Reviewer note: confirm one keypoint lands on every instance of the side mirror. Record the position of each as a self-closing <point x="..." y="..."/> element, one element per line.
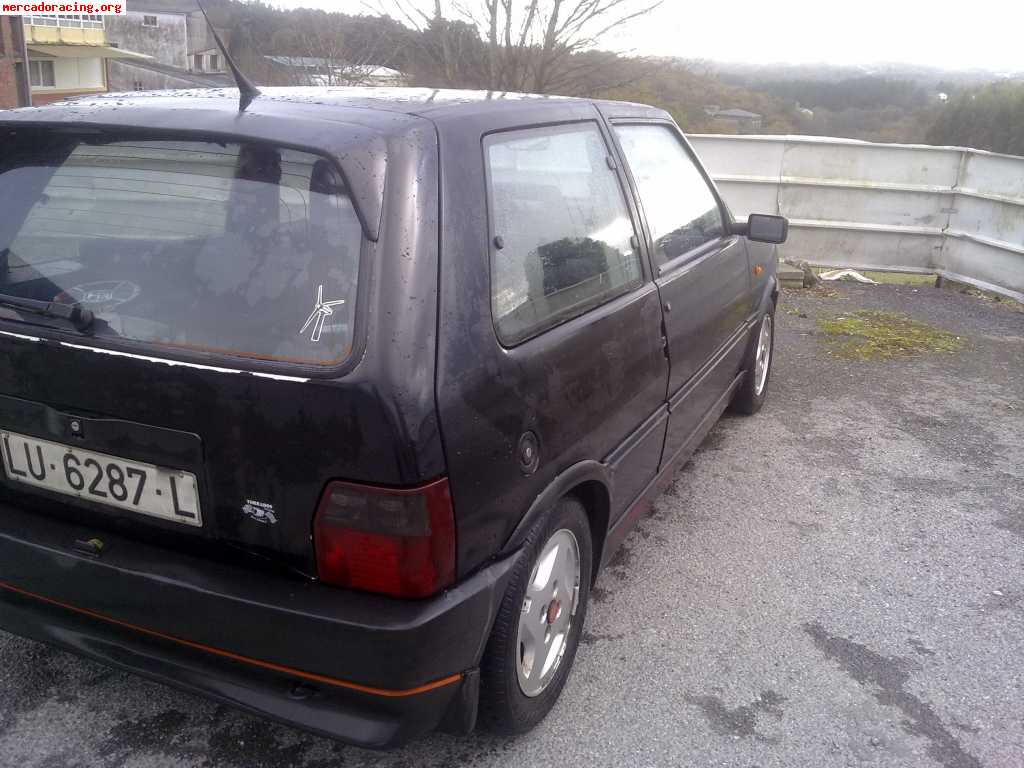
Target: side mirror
<point x="763" y="228"/>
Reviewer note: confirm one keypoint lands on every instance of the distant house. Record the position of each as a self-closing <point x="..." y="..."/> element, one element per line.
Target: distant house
<point x="175" y="37"/>
<point x="736" y="120"/>
<point x="208" y="60"/>
<point x="203" y="54"/>
<point x="68" y="55"/>
<point x="310" y="70"/>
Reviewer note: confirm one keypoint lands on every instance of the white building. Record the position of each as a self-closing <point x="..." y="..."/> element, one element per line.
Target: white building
<point x="68" y="55"/>
<point x="174" y="34"/>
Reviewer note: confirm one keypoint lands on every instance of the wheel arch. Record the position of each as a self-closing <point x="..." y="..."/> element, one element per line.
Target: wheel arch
<point x="588" y="481"/>
<point x="768" y="297"/>
<point x="597" y="501"/>
<point x="769" y="293"/>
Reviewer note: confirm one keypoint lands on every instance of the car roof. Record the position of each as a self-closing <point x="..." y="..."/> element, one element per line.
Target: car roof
<point x="354" y="125"/>
<point x="432" y="102"/>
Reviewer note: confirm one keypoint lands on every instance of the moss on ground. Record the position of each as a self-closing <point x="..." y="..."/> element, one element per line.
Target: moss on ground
<point x="876" y="335"/>
<point x="901" y="278"/>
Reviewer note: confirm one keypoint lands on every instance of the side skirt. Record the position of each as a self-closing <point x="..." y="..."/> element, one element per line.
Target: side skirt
<point x="642" y="504"/>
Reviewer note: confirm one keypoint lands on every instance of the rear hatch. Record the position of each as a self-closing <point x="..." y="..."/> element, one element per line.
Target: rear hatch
<point x="180" y="320"/>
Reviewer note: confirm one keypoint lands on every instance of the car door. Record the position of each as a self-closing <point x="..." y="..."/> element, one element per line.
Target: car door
<point x="551" y="323"/>
<point x="702" y="272"/>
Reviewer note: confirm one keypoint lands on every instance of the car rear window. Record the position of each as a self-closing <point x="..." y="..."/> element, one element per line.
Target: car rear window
<point x="565" y="234"/>
<point x="243" y="249"/>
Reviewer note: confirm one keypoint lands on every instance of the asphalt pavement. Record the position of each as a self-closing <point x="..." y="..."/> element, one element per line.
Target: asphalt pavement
<point x="838" y="581"/>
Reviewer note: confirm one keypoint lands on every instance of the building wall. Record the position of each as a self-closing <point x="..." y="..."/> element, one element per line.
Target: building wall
<point x="122" y="75"/>
<point x="167" y="42"/>
<point x="199" y="37"/>
<point x="42" y="98"/>
<point x="8" y="71"/>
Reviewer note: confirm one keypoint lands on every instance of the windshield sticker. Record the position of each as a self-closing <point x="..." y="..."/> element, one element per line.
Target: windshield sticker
<point x="102" y="296"/>
<point x="259" y="511"/>
<point x="319" y="315"/>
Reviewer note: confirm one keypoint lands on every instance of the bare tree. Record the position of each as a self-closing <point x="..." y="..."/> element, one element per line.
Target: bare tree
<point x="319" y="56"/>
<point x="526" y="45"/>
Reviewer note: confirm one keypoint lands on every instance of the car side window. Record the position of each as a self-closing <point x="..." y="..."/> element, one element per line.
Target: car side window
<point x="681" y="209"/>
<point x="562" y="237"/>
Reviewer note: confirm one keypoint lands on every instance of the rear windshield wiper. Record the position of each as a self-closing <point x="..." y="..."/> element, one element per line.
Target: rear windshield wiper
<point x="81" y="319"/>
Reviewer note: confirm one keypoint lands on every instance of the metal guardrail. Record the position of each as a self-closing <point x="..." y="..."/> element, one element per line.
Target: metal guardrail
<point x="954" y="212"/>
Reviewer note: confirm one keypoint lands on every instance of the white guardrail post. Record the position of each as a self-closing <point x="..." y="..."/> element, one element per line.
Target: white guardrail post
<point x="949" y="211"/>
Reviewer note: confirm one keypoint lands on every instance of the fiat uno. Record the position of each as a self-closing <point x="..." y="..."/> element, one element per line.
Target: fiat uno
<point x="333" y="408"/>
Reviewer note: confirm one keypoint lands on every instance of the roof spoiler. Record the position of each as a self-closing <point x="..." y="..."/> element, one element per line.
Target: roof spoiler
<point x="246" y="90"/>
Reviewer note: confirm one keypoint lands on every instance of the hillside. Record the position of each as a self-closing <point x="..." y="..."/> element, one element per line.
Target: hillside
<point x="896" y="103"/>
<point x="881" y="102"/>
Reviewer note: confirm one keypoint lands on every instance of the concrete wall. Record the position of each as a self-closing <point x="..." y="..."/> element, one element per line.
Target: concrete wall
<point x="125" y="76"/>
<point x="199" y="37"/>
<point x="905" y="208"/>
<point x="167" y="42"/>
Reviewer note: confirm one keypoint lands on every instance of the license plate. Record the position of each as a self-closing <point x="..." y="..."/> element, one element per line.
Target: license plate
<point x="132" y="485"/>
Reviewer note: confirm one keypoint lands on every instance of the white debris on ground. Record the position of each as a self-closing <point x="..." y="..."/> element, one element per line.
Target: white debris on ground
<point x="846" y="274"/>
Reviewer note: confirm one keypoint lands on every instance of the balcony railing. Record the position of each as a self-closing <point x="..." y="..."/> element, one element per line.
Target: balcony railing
<point x="66" y="21"/>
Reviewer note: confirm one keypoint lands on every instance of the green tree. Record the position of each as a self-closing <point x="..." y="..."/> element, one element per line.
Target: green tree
<point x="989" y="118"/>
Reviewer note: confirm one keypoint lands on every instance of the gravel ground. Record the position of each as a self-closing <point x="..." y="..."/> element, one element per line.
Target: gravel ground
<point x="837" y="581"/>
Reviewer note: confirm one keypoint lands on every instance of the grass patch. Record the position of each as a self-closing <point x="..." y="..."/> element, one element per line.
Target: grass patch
<point x="875" y="335"/>
<point x="901" y="278"/>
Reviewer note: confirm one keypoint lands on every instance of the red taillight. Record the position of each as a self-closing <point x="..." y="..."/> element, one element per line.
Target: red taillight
<point x="395" y="541"/>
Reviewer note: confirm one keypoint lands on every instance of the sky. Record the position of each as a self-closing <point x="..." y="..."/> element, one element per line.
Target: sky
<point x="982" y="34"/>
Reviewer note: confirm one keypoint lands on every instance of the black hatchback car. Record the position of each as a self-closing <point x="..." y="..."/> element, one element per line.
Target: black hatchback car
<point x="334" y="407"/>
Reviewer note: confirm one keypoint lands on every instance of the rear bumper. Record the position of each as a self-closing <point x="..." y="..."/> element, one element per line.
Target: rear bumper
<point x="368" y="670"/>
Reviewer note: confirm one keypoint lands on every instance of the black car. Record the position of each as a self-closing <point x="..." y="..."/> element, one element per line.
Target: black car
<point x="332" y="408"/>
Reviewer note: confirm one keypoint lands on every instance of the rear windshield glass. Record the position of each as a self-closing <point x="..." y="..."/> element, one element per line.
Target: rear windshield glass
<point x="241" y="249"/>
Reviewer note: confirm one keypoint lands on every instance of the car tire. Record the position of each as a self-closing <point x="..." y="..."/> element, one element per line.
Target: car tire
<point x="515" y="692"/>
<point x="754" y="390"/>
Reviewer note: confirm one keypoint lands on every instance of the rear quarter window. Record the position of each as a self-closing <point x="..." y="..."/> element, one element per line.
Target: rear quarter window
<point x="561" y="232"/>
<point x="241" y="249"/>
